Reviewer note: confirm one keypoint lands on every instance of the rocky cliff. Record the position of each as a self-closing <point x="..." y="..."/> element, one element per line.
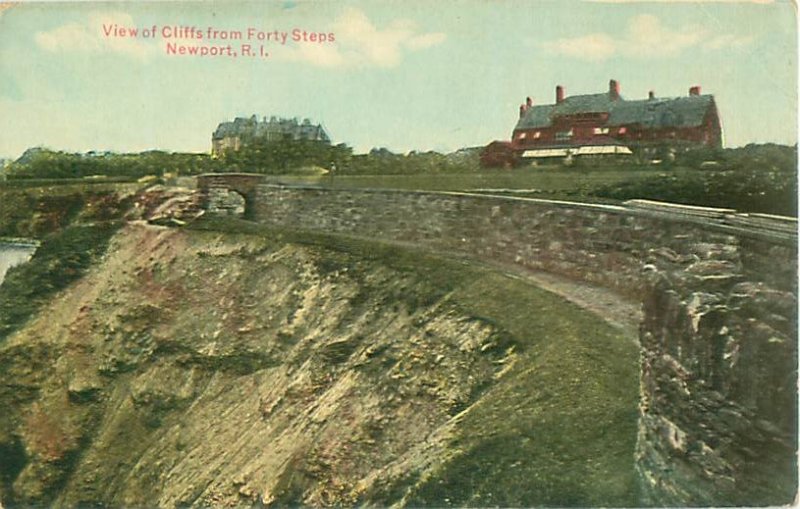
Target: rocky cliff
<point x="719" y="377"/>
<point x="197" y="368"/>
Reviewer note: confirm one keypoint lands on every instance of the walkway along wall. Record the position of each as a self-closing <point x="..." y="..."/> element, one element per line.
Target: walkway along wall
<point x="719" y="335"/>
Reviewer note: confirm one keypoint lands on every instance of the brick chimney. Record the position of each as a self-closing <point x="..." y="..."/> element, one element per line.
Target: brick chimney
<point x="695" y="90"/>
<point x="559" y="94"/>
<point x="528" y="102"/>
<point x="613" y="90"/>
<point x="651" y="95"/>
<point x="522" y="110"/>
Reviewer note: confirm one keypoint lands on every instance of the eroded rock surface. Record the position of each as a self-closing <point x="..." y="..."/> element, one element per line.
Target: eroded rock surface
<point x="718" y="423"/>
<point x="208" y="369"/>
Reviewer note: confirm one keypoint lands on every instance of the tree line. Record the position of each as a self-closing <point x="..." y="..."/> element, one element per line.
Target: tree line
<point x="256" y="156"/>
<point x="757" y="178"/>
<point x="39" y="163"/>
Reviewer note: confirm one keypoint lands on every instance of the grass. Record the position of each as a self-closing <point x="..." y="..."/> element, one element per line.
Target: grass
<point x="100" y="182"/>
<point x="546" y="182"/>
<point x="748" y="188"/>
<point x="558" y="429"/>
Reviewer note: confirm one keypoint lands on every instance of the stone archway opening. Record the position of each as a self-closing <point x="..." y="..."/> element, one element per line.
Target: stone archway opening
<point x="227" y="202"/>
<point x="231" y="194"/>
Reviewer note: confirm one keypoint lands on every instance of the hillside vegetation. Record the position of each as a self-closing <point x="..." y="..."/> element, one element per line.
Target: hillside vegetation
<point x="41" y="163"/>
<point x="37" y="211"/>
<point x="750" y="179"/>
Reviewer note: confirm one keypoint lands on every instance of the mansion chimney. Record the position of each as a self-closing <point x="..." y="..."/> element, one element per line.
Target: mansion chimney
<point x="695" y="90"/>
<point x="525" y="107"/>
<point x="613" y="90"/>
<point x="559" y="94"/>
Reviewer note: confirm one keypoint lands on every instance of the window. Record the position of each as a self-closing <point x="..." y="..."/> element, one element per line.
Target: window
<point x="601" y="130"/>
<point x="536" y="135"/>
<point x="522" y="136"/>
<point x="564" y="135"/>
<point x="623" y="130"/>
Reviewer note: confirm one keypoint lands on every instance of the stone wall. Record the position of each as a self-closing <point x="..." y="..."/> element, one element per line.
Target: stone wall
<point x="718" y="373"/>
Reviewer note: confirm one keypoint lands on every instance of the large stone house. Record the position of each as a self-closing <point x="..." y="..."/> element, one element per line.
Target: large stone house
<point x="233" y="135"/>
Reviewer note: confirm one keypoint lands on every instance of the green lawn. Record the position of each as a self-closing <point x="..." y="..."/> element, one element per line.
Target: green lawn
<point x="545" y="182"/>
<point x="560" y="428"/>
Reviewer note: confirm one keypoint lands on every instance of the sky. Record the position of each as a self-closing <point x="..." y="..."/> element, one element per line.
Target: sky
<point x="406" y="75"/>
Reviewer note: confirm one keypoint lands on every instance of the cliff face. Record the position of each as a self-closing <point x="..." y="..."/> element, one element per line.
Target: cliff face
<point x="198" y="368"/>
<point x="719" y="378"/>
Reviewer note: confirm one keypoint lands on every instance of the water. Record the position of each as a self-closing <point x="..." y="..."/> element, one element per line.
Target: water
<point x="13" y="254"/>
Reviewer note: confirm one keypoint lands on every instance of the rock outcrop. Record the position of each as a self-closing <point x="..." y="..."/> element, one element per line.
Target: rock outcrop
<point x="718" y="419"/>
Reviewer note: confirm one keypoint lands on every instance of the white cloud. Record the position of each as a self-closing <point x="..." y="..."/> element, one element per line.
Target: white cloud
<point x="89" y="37"/>
<point x="71" y="37"/>
<point x="359" y="43"/>
<point x="587" y="47"/>
<point x="646" y="37"/>
<point x="426" y="40"/>
<point x="319" y="55"/>
<point x="728" y="41"/>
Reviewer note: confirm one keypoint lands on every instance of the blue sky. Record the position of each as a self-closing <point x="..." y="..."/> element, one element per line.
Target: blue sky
<point x="403" y="75"/>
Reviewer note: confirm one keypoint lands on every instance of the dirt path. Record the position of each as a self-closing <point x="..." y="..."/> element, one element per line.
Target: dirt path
<point x="618" y="311"/>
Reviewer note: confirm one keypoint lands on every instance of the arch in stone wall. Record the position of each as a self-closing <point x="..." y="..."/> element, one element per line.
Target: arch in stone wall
<point x="218" y="192"/>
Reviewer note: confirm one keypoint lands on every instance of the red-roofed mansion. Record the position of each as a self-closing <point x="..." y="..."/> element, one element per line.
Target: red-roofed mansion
<point x="607" y="124"/>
